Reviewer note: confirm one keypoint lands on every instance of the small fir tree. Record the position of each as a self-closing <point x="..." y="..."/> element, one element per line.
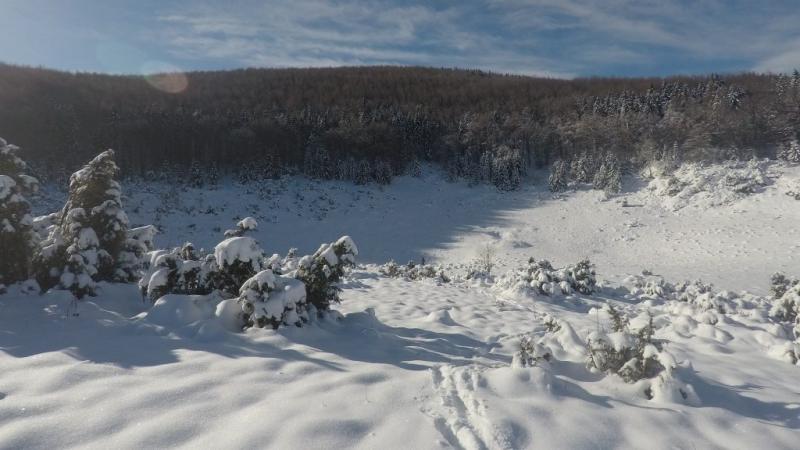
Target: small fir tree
<point x="558" y="176"/>
<point x="17" y="237"/>
<point x="91" y="232"/>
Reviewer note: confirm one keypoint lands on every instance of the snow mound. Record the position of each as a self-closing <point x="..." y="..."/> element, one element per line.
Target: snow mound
<point x="704" y="186"/>
<point x="242" y="249"/>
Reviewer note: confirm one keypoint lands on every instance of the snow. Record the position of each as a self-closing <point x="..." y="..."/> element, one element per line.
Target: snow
<point x="243" y="248"/>
<point x="422" y="363"/>
<point x="7" y="185"/>
<point x="248" y="223"/>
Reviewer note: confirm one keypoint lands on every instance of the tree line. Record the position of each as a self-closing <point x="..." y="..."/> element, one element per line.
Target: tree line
<point x="368" y="124"/>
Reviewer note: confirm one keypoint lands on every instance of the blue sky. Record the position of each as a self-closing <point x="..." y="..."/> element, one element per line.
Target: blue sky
<point x="561" y="38"/>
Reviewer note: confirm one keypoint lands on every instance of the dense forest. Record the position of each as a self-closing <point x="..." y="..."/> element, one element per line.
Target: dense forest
<point x="371" y="123"/>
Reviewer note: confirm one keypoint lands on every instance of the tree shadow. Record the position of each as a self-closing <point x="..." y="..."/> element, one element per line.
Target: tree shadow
<point x="362" y="337"/>
<point x="730" y="398"/>
<point x="104" y="336"/>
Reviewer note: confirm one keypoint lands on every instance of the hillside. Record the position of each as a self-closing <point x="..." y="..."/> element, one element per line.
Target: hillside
<point x="373" y="123"/>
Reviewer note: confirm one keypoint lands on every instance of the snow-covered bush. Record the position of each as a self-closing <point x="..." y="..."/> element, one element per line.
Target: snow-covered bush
<point x="133" y="259"/>
<point x="787" y="308"/>
<point x="633" y="355"/>
<point x="793" y="189"/>
<point x="273" y="300"/>
<point x="531" y="353"/>
<point x="650" y="286"/>
<point x="790" y="152"/>
<point x="242" y="227"/>
<point x="17" y="236"/>
<point x="91" y="233"/>
<point x="415" y="272"/>
<point x="179" y="271"/>
<point x="710" y="185"/>
<point x="237" y="259"/>
<point x="542" y="278"/>
<point x="702" y="295"/>
<point x="779" y="284"/>
<point x="322" y="271"/>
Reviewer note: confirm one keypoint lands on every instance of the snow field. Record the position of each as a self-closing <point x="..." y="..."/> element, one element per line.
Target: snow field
<point x="422" y="364"/>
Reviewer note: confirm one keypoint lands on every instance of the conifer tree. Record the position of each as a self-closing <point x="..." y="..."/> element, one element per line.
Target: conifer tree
<point x="322" y="271"/>
<point x="790" y="152"/>
<point x="17" y="237"/>
<point x="91" y="233"/>
<point x="558" y="176"/>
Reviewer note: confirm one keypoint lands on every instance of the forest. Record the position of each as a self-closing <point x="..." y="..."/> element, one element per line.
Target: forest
<point x="368" y="124"/>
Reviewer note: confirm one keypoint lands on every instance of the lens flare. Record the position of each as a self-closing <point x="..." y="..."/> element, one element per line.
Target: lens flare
<point x="165" y="77"/>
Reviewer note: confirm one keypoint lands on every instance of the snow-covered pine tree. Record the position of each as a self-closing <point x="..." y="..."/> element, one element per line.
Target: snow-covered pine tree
<point x="787" y="307"/>
<point x="582" y="168"/>
<point x="238" y="258"/>
<point x="242" y="227"/>
<point x="383" y="172"/>
<point x="790" y="152"/>
<point x="132" y="260"/>
<point x="179" y="271"/>
<point x="608" y="176"/>
<point x="322" y="271"/>
<point x="779" y="284"/>
<point x="85" y="245"/>
<point x="559" y="172"/>
<point x="363" y="173"/>
<point x="272" y="300"/>
<point x="485" y="167"/>
<point x="415" y="168"/>
<point x="196" y="174"/>
<point x="17" y="237"/>
<point x="506" y="168"/>
<point x="213" y="176"/>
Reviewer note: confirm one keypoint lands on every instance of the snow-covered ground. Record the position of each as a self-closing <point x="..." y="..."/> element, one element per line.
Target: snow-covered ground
<point x="422" y="364"/>
<point x="736" y="245"/>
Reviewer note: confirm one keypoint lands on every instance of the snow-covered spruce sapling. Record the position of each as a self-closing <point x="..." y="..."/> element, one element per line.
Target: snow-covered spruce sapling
<point x="790" y="152"/>
<point x="619" y="322"/>
<point x="133" y="260"/>
<point x="270" y="300"/>
<point x="559" y="175"/>
<point x="322" y="271"/>
<point x="91" y="233"/>
<point x="530" y="353"/>
<point x="17" y="237"/>
<point x="787" y="308"/>
<point x="779" y="284"/>
<point x="238" y="259"/>
<point x="631" y="355"/>
<point x="179" y="271"/>
<point x="542" y="278"/>
<point x="242" y="227"/>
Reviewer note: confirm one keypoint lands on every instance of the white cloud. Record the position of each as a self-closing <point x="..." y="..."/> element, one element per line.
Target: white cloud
<point x="539" y="37"/>
<point x="320" y="33"/>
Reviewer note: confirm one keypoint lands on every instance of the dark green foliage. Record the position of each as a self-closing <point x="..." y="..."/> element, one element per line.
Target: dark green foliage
<point x="179" y="271"/>
<point x="559" y="174"/>
<point x="322" y="271"/>
<point x="395" y="115"/>
<point x="619" y="322"/>
<point x="780" y="284"/>
<point x="85" y="244"/>
<point x="608" y="176"/>
<point x="632" y="356"/>
<point x="17" y="238"/>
